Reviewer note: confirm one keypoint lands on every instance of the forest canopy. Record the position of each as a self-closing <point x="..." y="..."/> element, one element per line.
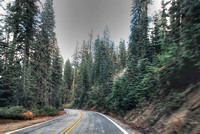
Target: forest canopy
<point x="115" y="77"/>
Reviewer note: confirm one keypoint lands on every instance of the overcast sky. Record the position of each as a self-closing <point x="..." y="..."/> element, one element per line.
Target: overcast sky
<point x="75" y="18"/>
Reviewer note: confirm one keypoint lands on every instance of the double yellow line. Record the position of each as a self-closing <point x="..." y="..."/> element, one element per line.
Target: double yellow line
<point x="67" y="130"/>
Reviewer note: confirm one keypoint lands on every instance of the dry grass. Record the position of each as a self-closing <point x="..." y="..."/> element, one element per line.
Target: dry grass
<point x="112" y="114"/>
<point x="61" y="113"/>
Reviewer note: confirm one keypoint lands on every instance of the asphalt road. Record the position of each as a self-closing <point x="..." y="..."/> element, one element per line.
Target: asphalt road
<point x="75" y="122"/>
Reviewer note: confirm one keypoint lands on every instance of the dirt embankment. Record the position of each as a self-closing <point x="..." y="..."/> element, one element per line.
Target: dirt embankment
<point x="170" y="114"/>
<point x="7" y="125"/>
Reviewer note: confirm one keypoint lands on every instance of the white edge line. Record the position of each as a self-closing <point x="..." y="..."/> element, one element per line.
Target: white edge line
<point x="35" y="124"/>
<point x="124" y="131"/>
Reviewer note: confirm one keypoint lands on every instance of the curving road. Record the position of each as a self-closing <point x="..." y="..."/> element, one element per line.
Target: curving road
<point x="75" y="122"/>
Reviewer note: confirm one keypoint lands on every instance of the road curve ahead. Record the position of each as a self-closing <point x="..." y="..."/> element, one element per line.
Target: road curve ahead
<point x="75" y="122"/>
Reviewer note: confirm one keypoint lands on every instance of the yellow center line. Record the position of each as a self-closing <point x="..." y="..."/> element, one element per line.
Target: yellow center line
<point x="67" y="130"/>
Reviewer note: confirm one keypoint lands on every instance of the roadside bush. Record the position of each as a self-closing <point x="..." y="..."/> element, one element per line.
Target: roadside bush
<point x="28" y="115"/>
<point x="48" y="111"/>
<point x="60" y="109"/>
<point x="14" y="112"/>
<point x="19" y="112"/>
<point x="35" y="110"/>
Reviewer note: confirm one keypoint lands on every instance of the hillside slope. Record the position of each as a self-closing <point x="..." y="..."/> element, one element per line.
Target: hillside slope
<point x="172" y="113"/>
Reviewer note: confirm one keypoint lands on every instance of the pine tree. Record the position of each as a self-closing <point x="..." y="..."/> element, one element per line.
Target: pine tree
<point x="163" y="31"/>
<point x="67" y="80"/>
<point x="20" y="27"/>
<point x="75" y="66"/>
<point x="90" y="59"/>
<point x="116" y="60"/>
<point x="56" y="79"/>
<point x="138" y="44"/>
<point x="30" y="56"/>
<point x="7" y="51"/>
<point x="102" y="62"/>
<point x="68" y="74"/>
<point x="44" y="51"/>
<point x="190" y="38"/>
<point x="156" y="47"/>
<point x="5" y="91"/>
<point x="103" y="66"/>
<point x="96" y="66"/>
<point x="175" y="23"/>
<point x="122" y="54"/>
<point x="28" y="20"/>
<point x="83" y="79"/>
<point x="139" y="24"/>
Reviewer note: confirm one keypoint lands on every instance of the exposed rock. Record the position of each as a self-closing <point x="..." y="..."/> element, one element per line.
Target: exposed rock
<point x="129" y="115"/>
<point x="196" y="105"/>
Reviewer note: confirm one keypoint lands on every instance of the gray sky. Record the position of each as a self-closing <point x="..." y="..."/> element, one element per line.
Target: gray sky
<point x="75" y="18"/>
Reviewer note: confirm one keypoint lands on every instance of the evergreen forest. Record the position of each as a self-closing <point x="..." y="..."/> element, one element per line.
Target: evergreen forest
<point x="105" y="75"/>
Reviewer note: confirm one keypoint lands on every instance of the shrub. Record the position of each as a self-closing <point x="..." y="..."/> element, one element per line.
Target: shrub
<point x="35" y="110"/>
<point x="60" y="109"/>
<point x="14" y="112"/>
<point x="48" y="111"/>
<point x="28" y="115"/>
